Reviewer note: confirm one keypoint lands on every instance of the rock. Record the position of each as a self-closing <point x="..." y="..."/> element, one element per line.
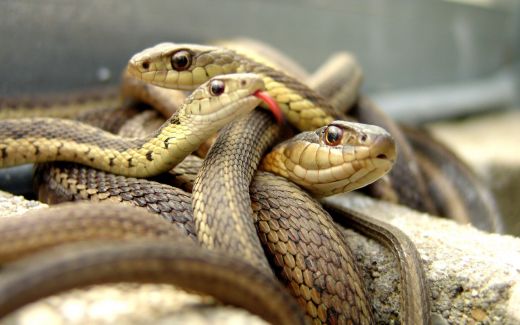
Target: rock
<point x="474" y="276"/>
<point x="12" y="205"/>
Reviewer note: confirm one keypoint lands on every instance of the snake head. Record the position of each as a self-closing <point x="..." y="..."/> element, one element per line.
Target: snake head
<point x="336" y="158"/>
<point x="181" y="66"/>
<point x="223" y="98"/>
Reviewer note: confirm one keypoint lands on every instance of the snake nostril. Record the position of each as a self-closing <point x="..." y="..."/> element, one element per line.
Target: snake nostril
<point x="243" y="83"/>
<point x="145" y="65"/>
<point x="381" y="156"/>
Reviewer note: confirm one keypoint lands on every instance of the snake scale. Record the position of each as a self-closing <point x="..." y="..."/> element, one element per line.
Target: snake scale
<point x="310" y="282"/>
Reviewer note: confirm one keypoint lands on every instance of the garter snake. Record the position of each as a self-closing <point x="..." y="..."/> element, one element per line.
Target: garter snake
<point x="320" y="311"/>
<point x="130" y="244"/>
<point x="209" y="107"/>
<point x="323" y="307"/>
<point x="291" y="105"/>
<point x="303" y="243"/>
<point x="185" y="66"/>
<point x="265" y="193"/>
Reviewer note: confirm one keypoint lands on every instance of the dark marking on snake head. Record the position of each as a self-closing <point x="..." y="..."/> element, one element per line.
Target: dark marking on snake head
<point x="175" y="120"/>
<point x="36" y="150"/>
<point x="167" y="142"/>
<point x="149" y="155"/>
<point x="111" y="161"/>
<point x="130" y="163"/>
<point x="4" y="153"/>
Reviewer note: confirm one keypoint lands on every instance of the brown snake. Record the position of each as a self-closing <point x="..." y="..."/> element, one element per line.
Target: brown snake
<point x="323" y="304"/>
<point x="311" y="308"/>
<point x="123" y="250"/>
<point x="322" y="313"/>
<point x="273" y="192"/>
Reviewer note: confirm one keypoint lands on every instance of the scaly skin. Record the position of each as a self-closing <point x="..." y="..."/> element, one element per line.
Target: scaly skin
<point x="35" y="140"/>
<point x="302" y="107"/>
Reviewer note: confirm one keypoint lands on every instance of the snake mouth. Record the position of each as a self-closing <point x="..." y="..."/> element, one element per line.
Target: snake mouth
<point x="272" y="104"/>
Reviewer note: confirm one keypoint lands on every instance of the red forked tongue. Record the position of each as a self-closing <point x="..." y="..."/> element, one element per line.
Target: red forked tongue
<point x="272" y="104"/>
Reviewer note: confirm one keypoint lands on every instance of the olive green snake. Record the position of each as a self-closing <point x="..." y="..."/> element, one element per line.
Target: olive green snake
<point x="12" y="158"/>
<point x="273" y="84"/>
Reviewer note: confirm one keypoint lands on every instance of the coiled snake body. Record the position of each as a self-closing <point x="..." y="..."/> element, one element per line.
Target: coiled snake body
<point x="307" y="111"/>
<point x="204" y="112"/>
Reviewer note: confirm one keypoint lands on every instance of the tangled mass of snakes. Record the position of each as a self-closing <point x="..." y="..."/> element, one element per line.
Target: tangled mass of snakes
<point x="208" y="168"/>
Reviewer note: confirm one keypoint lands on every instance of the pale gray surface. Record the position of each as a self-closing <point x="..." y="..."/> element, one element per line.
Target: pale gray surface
<point x="63" y="44"/>
<point x="14" y="205"/>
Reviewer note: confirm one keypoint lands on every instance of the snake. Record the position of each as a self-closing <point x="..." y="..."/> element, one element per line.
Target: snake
<point x="211" y="106"/>
<point x="314" y="311"/>
<point x="415" y="297"/>
<point x="291" y="106"/>
<point x="130" y="244"/>
<point x="427" y="176"/>
<point x="185" y="66"/>
<point x="167" y="63"/>
<point x="272" y="189"/>
<point x="320" y="175"/>
<point x="319" y="311"/>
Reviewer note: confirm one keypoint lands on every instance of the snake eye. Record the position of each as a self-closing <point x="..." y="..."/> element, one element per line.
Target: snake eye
<point x="333" y="135"/>
<point x="217" y="87"/>
<point x="181" y="60"/>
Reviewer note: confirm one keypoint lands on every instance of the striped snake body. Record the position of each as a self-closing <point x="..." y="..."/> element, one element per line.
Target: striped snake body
<point x="355" y="156"/>
<point x="42" y="140"/>
<point x="125" y="244"/>
<point x="184" y="66"/>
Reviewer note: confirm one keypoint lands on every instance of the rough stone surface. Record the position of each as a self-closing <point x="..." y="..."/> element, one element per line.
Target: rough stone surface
<point x="12" y="205"/>
<point x="474" y="278"/>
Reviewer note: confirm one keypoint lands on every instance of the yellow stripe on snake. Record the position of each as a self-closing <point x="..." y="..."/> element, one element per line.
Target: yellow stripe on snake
<point x="209" y="107"/>
<point x="185" y="66"/>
